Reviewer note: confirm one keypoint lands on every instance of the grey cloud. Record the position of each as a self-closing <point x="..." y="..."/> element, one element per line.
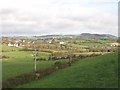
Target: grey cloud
<point x="7" y="11"/>
<point x="60" y="20"/>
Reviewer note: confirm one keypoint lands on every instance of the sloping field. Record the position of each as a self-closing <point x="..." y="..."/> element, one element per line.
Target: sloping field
<point x="20" y="62"/>
<point x="92" y="72"/>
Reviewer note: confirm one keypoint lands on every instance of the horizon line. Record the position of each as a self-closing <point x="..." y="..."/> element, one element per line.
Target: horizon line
<point x="15" y="35"/>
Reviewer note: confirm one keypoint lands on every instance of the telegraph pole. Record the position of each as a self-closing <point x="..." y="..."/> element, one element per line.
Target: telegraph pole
<point x="35" y="58"/>
<point x="70" y="53"/>
<point x="70" y="56"/>
<point x="36" y="73"/>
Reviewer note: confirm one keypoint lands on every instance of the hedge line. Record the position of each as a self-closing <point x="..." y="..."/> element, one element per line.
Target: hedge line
<point x="28" y="77"/>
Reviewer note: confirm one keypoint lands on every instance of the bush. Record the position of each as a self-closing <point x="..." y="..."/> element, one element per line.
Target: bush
<point x="60" y="65"/>
<point x="4" y="57"/>
<point x="26" y="49"/>
<point x="40" y="59"/>
<point x="50" y="58"/>
<point x="26" y="78"/>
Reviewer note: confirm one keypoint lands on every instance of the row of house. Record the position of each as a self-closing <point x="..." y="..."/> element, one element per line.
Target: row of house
<point x="15" y="44"/>
<point x="113" y="44"/>
<point x="53" y="41"/>
<point x="19" y="43"/>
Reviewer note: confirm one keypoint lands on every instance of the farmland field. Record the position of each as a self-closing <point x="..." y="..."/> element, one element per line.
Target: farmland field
<point x="20" y="62"/>
<point x="80" y="63"/>
<point x="94" y="72"/>
<point x="59" y="44"/>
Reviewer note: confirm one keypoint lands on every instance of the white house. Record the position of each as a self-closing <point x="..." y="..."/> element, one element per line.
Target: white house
<point x="113" y="44"/>
<point x="23" y="41"/>
<point x="50" y="42"/>
<point x="10" y="45"/>
<point x="16" y="45"/>
<point x="13" y="45"/>
<point x="62" y="43"/>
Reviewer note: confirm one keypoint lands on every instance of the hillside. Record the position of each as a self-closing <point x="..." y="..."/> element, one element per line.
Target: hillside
<point x="60" y="36"/>
<point x="93" y="72"/>
<point x="88" y="35"/>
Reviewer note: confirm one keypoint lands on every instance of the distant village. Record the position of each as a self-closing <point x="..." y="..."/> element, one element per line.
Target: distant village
<point x="28" y="42"/>
<point x="15" y="42"/>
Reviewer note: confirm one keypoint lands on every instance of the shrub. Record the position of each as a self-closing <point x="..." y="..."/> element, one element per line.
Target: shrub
<point x="4" y="57"/>
<point x="25" y="78"/>
<point x="40" y="59"/>
<point x="60" y="65"/>
<point x="26" y="49"/>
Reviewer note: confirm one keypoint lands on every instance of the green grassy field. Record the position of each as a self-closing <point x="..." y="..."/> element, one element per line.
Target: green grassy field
<point x="89" y="43"/>
<point x="15" y="68"/>
<point x="20" y="62"/>
<point x="6" y="48"/>
<point x="93" y="72"/>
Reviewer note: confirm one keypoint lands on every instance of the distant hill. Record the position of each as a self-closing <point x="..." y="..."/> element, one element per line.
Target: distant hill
<point x="88" y="35"/>
<point x="83" y="35"/>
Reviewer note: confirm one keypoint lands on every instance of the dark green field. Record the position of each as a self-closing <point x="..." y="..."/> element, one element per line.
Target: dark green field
<point x="93" y="72"/>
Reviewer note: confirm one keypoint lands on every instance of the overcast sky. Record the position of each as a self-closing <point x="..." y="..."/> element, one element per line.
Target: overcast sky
<point x="39" y="17"/>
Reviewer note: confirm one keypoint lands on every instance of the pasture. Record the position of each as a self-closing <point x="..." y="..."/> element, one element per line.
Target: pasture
<point x="20" y="62"/>
<point x="92" y="72"/>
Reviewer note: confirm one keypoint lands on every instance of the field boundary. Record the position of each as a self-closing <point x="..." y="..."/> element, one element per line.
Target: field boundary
<point x="28" y="77"/>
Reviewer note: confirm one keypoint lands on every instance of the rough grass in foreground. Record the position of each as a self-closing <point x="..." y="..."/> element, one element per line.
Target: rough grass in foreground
<point x="93" y="72"/>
